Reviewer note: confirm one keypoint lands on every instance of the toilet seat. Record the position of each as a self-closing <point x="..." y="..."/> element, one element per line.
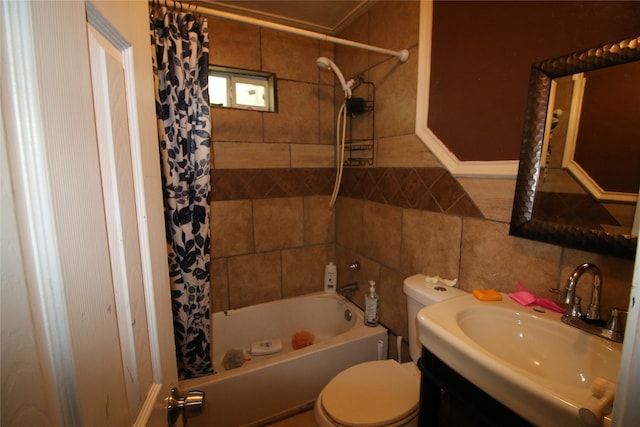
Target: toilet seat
<point x="372" y="394"/>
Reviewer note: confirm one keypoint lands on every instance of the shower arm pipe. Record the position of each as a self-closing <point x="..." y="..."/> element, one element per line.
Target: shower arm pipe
<point x="402" y="55"/>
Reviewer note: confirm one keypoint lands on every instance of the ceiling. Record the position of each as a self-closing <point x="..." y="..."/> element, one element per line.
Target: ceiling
<point x="322" y="16"/>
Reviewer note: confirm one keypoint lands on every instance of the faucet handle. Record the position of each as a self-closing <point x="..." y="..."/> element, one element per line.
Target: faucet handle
<point x="615" y="324"/>
<point x="565" y="296"/>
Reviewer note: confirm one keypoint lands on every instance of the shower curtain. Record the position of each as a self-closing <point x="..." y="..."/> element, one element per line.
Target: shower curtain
<point x="180" y="52"/>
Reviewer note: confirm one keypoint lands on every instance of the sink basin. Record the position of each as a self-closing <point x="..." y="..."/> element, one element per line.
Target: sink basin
<point x="524" y="357"/>
<point x="547" y="349"/>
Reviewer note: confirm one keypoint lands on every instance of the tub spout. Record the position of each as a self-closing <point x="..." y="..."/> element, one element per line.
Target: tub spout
<point x="351" y="287"/>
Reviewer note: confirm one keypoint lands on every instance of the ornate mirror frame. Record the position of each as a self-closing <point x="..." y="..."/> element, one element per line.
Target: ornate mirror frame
<point x="522" y="222"/>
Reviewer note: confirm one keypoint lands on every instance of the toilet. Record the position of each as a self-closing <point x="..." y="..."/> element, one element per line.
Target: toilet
<point x="382" y="393"/>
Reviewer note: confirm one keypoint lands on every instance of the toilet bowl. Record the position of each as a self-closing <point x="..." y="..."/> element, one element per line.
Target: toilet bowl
<point x="382" y="393"/>
<point x="371" y="394"/>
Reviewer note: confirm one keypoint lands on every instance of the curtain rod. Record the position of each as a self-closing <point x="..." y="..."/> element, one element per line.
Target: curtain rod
<point x="403" y="54"/>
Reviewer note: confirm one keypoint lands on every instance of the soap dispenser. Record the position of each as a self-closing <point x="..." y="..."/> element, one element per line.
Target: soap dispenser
<point x="371" y="306"/>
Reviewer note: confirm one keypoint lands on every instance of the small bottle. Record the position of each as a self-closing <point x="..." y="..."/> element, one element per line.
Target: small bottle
<point x="371" y="306"/>
<point x="330" y="277"/>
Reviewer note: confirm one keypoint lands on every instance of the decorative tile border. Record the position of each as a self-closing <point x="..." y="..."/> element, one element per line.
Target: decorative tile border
<point x="432" y="189"/>
<point x="242" y="184"/>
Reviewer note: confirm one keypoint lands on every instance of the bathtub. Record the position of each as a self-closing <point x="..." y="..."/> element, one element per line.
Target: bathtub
<point x="266" y="388"/>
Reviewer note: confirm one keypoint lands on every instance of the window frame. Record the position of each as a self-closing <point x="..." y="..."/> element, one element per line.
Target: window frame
<point x="258" y="78"/>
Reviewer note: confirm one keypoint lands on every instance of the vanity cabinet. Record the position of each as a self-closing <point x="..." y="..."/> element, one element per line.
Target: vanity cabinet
<point x="437" y="377"/>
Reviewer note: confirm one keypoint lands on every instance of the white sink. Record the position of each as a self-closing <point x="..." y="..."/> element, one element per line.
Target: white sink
<point x="530" y="361"/>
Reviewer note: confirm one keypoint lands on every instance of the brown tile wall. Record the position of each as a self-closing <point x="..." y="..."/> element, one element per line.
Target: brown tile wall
<point x="272" y="233"/>
<point x="268" y="249"/>
<point x="271" y="173"/>
<point x="281" y="216"/>
<point x="300" y="134"/>
<point x="393" y="242"/>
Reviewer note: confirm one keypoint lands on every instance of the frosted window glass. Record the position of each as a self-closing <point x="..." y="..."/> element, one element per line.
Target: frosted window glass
<point x="218" y="91"/>
<point x="250" y="94"/>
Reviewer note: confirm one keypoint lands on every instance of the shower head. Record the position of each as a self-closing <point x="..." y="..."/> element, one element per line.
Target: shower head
<point x="325" y="63"/>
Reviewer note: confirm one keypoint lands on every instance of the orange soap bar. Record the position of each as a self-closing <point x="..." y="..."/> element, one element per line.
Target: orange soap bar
<point x="487" y="295"/>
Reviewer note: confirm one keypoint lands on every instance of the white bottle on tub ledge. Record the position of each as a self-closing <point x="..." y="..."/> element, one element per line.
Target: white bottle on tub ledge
<point x="330" y="278"/>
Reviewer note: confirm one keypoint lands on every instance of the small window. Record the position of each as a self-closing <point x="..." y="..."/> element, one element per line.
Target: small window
<point x="248" y="90"/>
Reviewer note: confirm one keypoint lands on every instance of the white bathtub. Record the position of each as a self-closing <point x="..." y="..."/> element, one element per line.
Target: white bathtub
<point x="269" y="387"/>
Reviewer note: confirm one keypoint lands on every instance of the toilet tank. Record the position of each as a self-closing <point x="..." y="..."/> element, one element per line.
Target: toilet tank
<point x="419" y="295"/>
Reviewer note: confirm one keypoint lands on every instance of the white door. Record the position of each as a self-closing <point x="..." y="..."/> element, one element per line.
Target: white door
<point x="115" y="94"/>
<point x="81" y="145"/>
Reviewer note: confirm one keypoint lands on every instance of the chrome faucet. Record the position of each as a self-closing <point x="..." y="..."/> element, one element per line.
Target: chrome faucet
<point x="351" y="287"/>
<point x="593" y="312"/>
<point x="591" y="322"/>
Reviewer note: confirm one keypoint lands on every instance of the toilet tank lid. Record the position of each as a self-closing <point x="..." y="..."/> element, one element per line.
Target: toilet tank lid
<point x="417" y="288"/>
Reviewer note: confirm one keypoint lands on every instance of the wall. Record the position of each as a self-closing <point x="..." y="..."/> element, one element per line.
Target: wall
<point x="272" y="232"/>
<point x="409" y="216"/>
<point x="480" y="71"/>
<point x="403" y="216"/>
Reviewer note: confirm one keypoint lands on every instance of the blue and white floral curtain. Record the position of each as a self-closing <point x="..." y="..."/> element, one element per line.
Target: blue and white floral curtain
<point x="180" y="52"/>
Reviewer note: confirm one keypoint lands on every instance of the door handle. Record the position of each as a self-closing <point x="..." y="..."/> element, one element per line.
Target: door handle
<point x="189" y="406"/>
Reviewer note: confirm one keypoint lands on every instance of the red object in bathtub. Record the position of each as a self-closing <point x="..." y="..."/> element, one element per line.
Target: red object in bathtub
<point x="302" y="339"/>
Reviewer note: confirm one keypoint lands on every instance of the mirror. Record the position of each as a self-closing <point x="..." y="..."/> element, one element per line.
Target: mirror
<point x="534" y="214"/>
